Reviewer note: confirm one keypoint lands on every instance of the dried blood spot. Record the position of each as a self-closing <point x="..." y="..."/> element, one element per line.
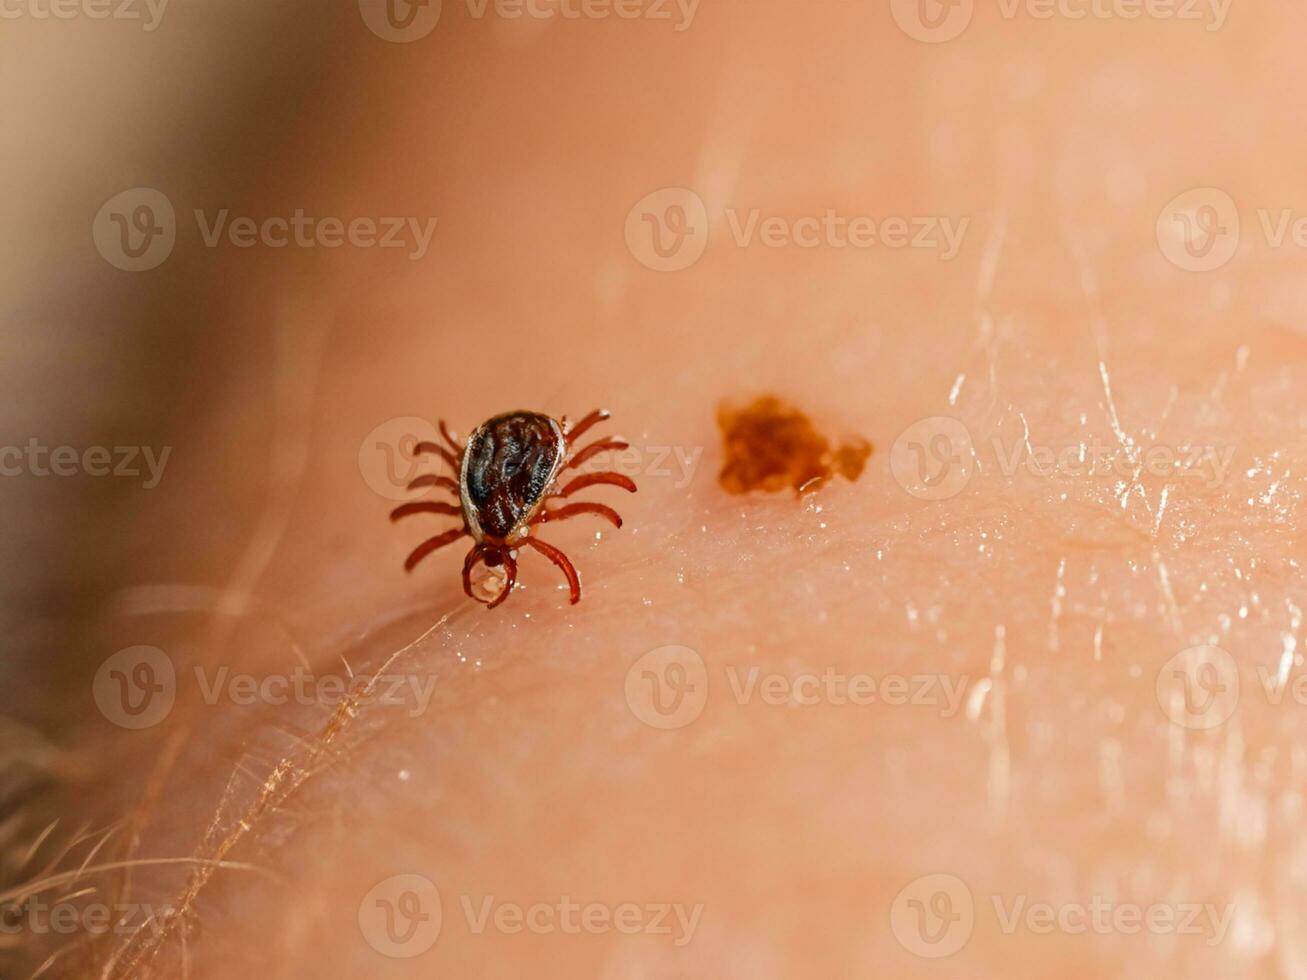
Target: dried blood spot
<point x="771" y="446"/>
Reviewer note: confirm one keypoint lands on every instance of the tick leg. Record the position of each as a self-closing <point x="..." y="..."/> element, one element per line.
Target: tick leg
<point x="562" y="561"/>
<point x="594" y="449"/>
<point x="469" y="563"/>
<point x="598" y="415"/>
<point x="453" y="443"/>
<point x="571" y="510"/>
<point x="593" y="479"/>
<point x="425" y="507"/>
<point x="431" y="480"/>
<point x="435" y="448"/>
<point x="432" y="544"/>
<point x="510" y="570"/>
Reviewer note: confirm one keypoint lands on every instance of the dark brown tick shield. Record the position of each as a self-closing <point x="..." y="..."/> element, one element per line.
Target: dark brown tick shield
<point x="507" y="472"/>
<point x="510" y="462"/>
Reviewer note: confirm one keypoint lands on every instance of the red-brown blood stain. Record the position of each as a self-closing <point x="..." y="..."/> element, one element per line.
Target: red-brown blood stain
<point x="771" y="446"/>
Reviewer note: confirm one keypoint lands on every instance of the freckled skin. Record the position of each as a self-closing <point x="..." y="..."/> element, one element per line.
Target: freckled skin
<point x="511" y="460"/>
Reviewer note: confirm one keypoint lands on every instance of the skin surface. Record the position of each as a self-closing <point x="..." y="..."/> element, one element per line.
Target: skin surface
<point x="1020" y="632"/>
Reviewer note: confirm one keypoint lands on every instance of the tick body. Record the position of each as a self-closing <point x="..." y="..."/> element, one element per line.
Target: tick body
<point x="509" y="470"/>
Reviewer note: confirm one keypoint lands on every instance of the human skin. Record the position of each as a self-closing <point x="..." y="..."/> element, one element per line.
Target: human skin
<point x="1050" y="604"/>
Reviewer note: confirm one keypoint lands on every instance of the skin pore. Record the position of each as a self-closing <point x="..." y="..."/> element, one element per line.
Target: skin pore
<point x="980" y="683"/>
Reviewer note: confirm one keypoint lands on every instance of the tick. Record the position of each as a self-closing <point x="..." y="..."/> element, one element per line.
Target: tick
<point x="509" y="470"/>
